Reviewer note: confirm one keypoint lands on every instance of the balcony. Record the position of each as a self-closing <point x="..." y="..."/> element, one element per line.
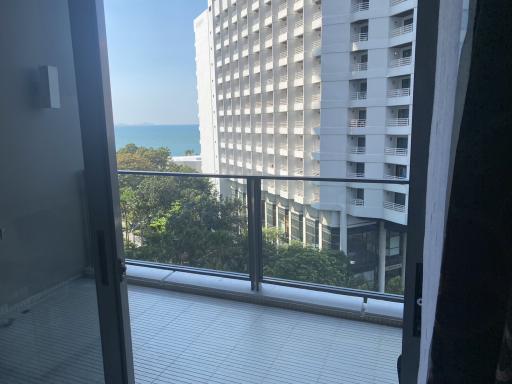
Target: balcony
<point x="355" y="175"/>
<point x="398" y="122"/>
<point x="401" y="30"/>
<point x="360" y="67"/>
<point x="360" y="6"/>
<point x="357" y="123"/>
<point x="399" y="92"/>
<point x="358" y="150"/>
<point x="298" y="28"/>
<point x="358" y="95"/>
<point x="396" y="151"/>
<point x="299" y="53"/>
<point x="182" y="338"/>
<point x="394" y="206"/>
<point x="282" y="9"/>
<point x="401" y="62"/>
<point x="358" y="37"/>
<point x="316" y="22"/>
<point x="357" y="202"/>
<point x="316" y="47"/>
<point x="298" y="5"/>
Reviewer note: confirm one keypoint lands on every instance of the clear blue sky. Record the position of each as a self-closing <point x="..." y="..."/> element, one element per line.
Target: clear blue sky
<point x="152" y="60"/>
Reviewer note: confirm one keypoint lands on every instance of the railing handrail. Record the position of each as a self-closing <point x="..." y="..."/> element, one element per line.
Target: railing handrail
<point x="400" y="62"/>
<point x="394" y="206"/>
<point x="401" y="30"/>
<point x="399" y="92"/>
<point x="361" y="6"/>
<point x="358" y="95"/>
<point x="262" y="177"/>
<point x="359" y="36"/>
<point x="396" y="151"/>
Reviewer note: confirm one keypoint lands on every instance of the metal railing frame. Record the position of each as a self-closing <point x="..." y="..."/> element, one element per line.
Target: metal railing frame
<point x="255" y="259"/>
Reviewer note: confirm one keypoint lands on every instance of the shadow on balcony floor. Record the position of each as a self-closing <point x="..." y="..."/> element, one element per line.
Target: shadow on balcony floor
<point x="185" y="338"/>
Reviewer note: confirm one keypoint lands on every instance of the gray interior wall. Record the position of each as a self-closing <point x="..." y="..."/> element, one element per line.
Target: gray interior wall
<point x="41" y="208"/>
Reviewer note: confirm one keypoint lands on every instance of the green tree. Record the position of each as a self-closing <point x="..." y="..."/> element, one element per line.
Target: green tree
<point x="189" y="152"/>
<point x="183" y="220"/>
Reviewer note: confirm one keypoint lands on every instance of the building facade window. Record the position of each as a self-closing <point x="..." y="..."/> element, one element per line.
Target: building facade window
<point x="283" y="221"/>
<point x="297" y="224"/>
<point x="312" y="232"/>
<point x="271" y="214"/>
<point x="330" y="237"/>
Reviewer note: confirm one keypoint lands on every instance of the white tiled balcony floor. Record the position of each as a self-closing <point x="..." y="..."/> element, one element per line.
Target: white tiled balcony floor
<point x="184" y="338"/>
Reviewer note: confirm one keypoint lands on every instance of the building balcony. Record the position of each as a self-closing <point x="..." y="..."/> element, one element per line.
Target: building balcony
<point x="316" y="22"/>
<point x="282" y="10"/>
<point x="399" y="92"/>
<point x="298" y="5"/>
<point x="360" y="6"/>
<point x="298" y="128"/>
<point x="357" y="123"/>
<point x="358" y="95"/>
<point x="298" y="53"/>
<point x="357" y="150"/>
<point x="357" y="202"/>
<point x="356" y="175"/>
<point x="396" y="151"/>
<point x="398" y="122"/>
<point x="359" y="67"/>
<point x="298" y="28"/>
<point x="359" y="37"/>
<point x="316" y="47"/>
<point x="268" y="19"/>
<point x="389" y="176"/>
<point x="394" y="206"/>
<point x="401" y="62"/>
<point x="402" y="30"/>
<point x="255" y="5"/>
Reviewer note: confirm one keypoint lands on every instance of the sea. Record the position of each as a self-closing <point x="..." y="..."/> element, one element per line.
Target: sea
<point x="178" y="138"/>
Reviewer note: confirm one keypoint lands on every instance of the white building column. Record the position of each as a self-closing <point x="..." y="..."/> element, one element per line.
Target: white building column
<point x="404" y="257"/>
<point x="382" y="257"/>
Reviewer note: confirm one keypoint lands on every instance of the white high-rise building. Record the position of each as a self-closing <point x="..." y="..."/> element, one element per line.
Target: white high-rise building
<point x="314" y="88"/>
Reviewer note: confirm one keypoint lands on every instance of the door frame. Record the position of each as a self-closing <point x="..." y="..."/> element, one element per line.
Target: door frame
<point x="427" y="17"/>
<point x="87" y="23"/>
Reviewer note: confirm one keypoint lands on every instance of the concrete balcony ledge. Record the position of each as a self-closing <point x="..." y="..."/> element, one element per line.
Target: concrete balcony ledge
<point x="306" y="300"/>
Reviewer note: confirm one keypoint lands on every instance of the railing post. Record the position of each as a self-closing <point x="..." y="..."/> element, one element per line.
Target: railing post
<point x="255" y="233"/>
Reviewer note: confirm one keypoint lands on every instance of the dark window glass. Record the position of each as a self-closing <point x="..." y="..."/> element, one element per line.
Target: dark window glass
<point x="361" y="141"/>
<point x="360" y="193"/>
<point x="312" y="228"/>
<point x="362" y="86"/>
<point x="407" y="52"/>
<point x="400" y="198"/>
<point x="403" y="113"/>
<point x="406" y="83"/>
<point x="283" y="221"/>
<point x="297" y="226"/>
<point x="271" y="217"/>
<point x="361" y="114"/>
<point x="360" y="168"/>
<point x="408" y="21"/>
<point x="401" y="171"/>
<point x="362" y="243"/>
<point x="402" y="142"/>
